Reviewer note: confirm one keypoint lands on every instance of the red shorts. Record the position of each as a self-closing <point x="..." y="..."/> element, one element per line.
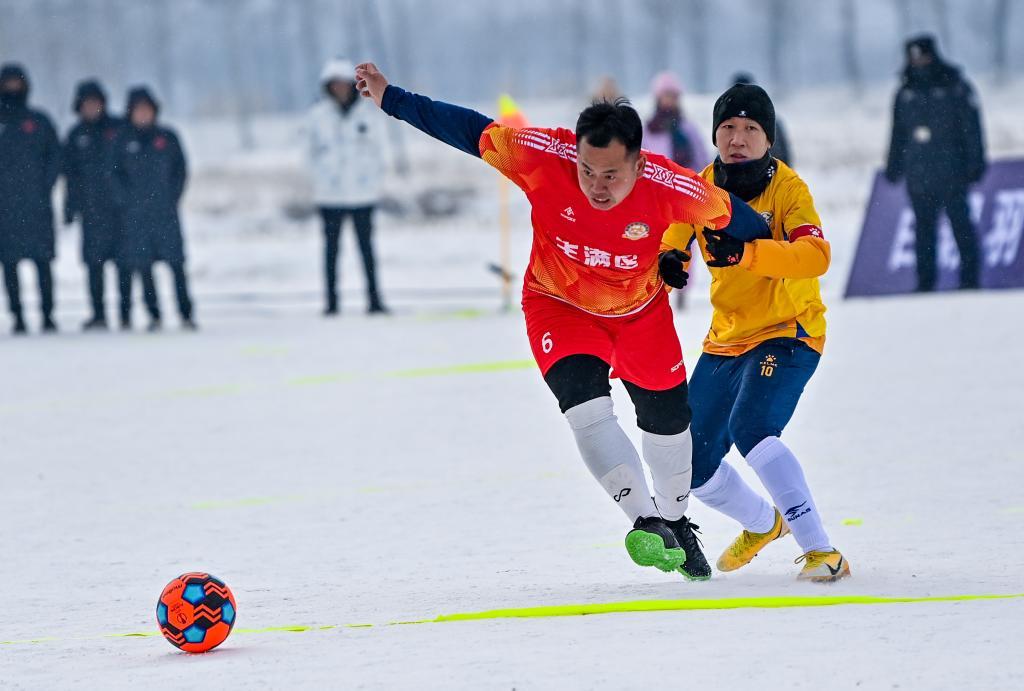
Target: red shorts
<point x="642" y="348"/>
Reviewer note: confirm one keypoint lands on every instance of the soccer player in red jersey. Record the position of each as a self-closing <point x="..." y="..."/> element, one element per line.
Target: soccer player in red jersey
<point x="594" y="296"/>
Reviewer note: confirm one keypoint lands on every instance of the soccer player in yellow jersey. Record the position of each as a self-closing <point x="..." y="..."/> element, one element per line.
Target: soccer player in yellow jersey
<point x="766" y="338"/>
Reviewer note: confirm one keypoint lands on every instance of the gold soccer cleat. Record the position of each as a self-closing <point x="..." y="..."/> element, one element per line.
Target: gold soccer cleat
<point x="823" y="567"/>
<point x="748" y="544"/>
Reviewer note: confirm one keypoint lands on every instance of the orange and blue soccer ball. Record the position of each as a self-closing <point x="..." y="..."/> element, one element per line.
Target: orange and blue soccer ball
<point x="196" y="612"/>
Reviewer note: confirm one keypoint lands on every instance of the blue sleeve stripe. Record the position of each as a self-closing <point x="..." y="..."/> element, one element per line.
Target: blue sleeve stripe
<point x="453" y="125"/>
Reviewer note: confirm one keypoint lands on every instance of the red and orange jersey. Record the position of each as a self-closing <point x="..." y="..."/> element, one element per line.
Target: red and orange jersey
<point x="603" y="262"/>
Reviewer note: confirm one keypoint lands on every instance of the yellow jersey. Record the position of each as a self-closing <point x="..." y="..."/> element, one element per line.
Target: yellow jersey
<point x="773" y="292"/>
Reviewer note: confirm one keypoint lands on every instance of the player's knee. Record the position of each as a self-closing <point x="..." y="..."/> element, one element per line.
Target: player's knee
<point x="747" y="433"/>
<point x="703" y="469"/>
<point x="576" y="379"/>
<point x="662" y="412"/>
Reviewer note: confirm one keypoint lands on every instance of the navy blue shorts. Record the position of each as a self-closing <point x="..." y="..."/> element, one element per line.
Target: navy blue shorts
<point x="744" y="399"/>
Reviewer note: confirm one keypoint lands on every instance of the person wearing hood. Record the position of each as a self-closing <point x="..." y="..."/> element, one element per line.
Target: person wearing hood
<point x="347" y="166"/>
<point x="149" y="175"/>
<point x="668" y="132"/>
<point x="87" y="166"/>
<point x="938" y="147"/>
<point x="766" y="338"/>
<point x="30" y="156"/>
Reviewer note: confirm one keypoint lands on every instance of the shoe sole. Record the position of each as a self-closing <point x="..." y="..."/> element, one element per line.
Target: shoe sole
<point x="693" y="578"/>
<point x="843" y="573"/>
<point x="648" y="549"/>
<point x="726" y="568"/>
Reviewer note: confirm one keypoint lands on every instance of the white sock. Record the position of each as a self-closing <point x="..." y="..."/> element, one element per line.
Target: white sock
<point x="784" y="479"/>
<point x="668" y="456"/>
<point x="611" y="457"/>
<point x="725" y="491"/>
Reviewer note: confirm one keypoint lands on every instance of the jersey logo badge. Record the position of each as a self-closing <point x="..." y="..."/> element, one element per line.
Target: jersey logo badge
<point x="767" y="216"/>
<point x="636" y="231"/>
<point x="569" y="215"/>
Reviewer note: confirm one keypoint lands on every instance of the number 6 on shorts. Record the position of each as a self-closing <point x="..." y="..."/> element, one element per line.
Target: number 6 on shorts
<point x="546" y="344"/>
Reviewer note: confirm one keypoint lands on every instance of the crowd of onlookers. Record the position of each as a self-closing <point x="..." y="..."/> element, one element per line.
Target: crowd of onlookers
<point x="125" y="178"/>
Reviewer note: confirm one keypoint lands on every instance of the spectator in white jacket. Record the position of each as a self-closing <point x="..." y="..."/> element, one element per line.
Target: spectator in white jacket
<point x="347" y="164"/>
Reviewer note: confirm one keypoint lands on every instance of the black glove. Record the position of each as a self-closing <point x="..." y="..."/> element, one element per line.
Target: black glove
<point x="723" y="249"/>
<point x="671" y="266"/>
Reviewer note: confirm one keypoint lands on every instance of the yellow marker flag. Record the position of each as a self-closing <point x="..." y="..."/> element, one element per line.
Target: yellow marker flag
<point x="509" y="113"/>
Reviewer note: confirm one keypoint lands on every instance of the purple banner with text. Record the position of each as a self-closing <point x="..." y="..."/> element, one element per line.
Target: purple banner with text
<point x="885" y="261"/>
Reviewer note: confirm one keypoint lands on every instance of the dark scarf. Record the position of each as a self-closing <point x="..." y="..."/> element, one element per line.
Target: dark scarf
<point x="13" y="102"/>
<point x="746" y="180"/>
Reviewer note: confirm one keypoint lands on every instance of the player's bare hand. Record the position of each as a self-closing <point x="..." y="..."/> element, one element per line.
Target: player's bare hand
<point x="370" y="82"/>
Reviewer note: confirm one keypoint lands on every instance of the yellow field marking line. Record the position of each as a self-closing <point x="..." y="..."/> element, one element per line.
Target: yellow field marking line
<point x="589" y="609"/>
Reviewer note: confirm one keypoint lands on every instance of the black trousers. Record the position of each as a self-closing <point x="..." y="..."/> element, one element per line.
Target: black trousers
<point x="13" y="286"/>
<point x="927" y="206"/>
<point x="149" y="295"/>
<point x="97" y="286"/>
<point x="362" y="219"/>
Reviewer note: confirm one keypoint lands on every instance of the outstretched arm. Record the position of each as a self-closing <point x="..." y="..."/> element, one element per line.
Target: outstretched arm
<point x="453" y="125"/>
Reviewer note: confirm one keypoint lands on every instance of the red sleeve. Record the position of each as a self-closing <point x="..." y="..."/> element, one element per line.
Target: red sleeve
<point x="519" y="154"/>
<point x="691" y="198"/>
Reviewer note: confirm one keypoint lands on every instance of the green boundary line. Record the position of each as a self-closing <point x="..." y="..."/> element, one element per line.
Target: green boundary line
<point x="724" y="603"/>
<point x="473" y="368"/>
<point x="594" y="608"/>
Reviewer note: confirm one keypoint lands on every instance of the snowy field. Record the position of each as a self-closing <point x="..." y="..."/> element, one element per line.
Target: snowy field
<point x="370" y="471"/>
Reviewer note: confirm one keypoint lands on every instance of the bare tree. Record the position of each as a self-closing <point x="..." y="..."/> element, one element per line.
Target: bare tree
<point x="851" y="62"/>
<point x="906" y="16"/>
<point x="777" y="33"/>
<point x="697" y="35"/>
<point x="941" y="11"/>
<point x="233" y="33"/>
<point x="1000" y="38"/>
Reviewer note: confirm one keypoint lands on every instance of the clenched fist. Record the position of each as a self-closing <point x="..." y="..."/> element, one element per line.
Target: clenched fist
<point x="370" y="82"/>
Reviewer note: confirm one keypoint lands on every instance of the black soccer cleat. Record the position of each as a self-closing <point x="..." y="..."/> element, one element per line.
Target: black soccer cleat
<point x="696" y="567"/>
<point x="652" y="543"/>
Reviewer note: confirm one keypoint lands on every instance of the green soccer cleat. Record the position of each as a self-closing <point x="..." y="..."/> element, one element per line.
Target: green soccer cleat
<point x="652" y="543"/>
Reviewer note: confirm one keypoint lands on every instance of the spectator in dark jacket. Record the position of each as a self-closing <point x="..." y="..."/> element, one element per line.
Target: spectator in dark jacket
<point x="88" y="154"/>
<point x="29" y="165"/>
<point x="149" y="174"/>
<point x="937" y="146"/>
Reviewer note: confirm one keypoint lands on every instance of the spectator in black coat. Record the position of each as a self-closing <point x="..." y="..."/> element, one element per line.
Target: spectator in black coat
<point x="937" y="146"/>
<point x="29" y="165"/>
<point x="149" y="174"/>
<point x="88" y="155"/>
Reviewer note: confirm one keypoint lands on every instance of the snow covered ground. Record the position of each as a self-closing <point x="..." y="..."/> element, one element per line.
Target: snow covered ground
<point x="378" y="470"/>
